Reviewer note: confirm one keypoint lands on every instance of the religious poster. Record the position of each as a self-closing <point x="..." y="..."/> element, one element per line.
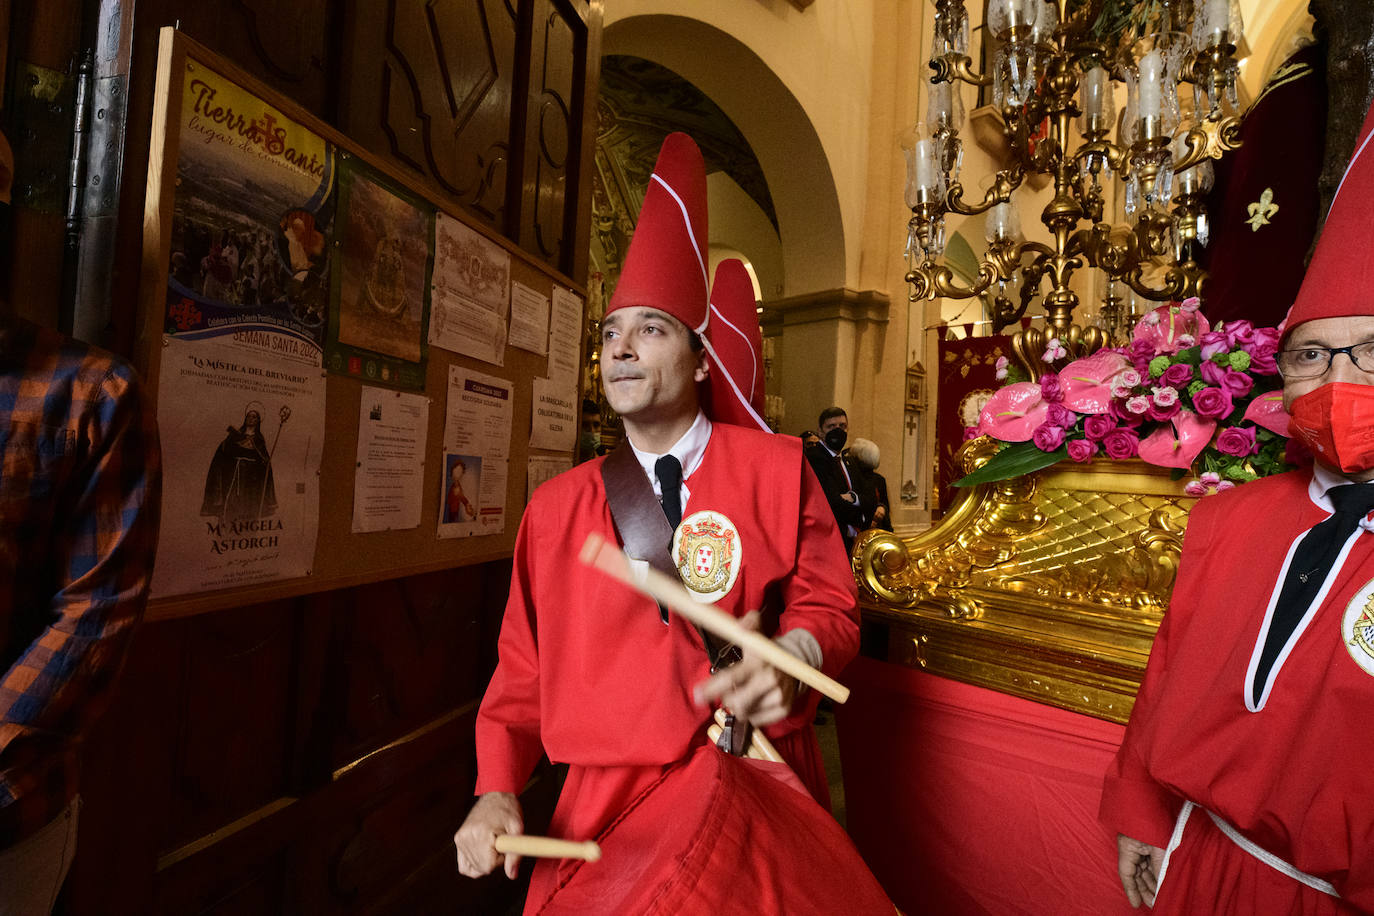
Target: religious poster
<point x="529" y="319"/>
<point x="554" y="416"/>
<point x="477" y="432"/>
<point x="241" y="417"/>
<point x="967" y="380"/>
<point x="251" y="214"/>
<point x="388" y="485"/>
<point x="565" y="336"/>
<point x="470" y="292"/>
<point x="380" y="285"/>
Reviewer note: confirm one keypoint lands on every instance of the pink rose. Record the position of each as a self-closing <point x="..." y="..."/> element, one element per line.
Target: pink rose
<point x="1238" y="383"/>
<point x="1177" y="375"/>
<point x="1226" y="485"/>
<point x="1128" y="377"/>
<point x="1048" y="437"/>
<point x="1185" y="341"/>
<point x="1210" y="478"/>
<point x="1164" y="396"/>
<point x="1263" y="350"/>
<point x="1191" y="304"/>
<point x="1239" y="333"/>
<point x="1213" y="374"/>
<point x="1213" y="343"/>
<point x="1097" y="427"/>
<point x="1156" y="412"/>
<point x="1082" y="449"/>
<point x="1213" y="403"/>
<point x="1237" y="441"/>
<point x="1001" y="367"/>
<point x="1123" y="416"/>
<point x="1061" y="416"/>
<point x="1195" y="488"/>
<point x="1121" y="443"/>
<point x="1050" y="387"/>
<point x="971" y="432"/>
<point x="1138" y="404"/>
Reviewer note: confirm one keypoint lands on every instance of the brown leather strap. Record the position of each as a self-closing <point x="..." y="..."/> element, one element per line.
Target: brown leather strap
<point x="644" y="530"/>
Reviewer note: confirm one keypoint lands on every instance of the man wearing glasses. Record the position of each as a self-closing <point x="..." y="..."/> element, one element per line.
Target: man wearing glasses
<point x="1243" y="782"/>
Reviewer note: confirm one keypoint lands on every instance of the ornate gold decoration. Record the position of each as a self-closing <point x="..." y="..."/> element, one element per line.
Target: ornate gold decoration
<point x="1261" y="210"/>
<point x="1048" y="586"/>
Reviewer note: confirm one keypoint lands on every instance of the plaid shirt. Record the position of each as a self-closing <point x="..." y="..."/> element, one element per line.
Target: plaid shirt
<point x="79" y="487"/>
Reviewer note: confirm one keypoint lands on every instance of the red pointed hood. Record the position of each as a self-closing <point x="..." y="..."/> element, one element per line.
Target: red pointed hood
<point x="665" y="267"/>
<point x="734" y="346"/>
<point x="1340" y="280"/>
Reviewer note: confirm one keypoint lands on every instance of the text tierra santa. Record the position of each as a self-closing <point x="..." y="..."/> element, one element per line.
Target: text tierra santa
<point x="266" y="133"/>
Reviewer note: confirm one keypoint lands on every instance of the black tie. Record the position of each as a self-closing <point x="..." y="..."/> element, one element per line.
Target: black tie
<point x="1312" y="562"/>
<point x="669" y="473"/>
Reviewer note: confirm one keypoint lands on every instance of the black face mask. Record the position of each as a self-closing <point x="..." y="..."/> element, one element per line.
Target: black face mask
<point x="835" y="439"/>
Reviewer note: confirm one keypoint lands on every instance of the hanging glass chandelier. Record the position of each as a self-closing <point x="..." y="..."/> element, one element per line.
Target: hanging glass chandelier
<point x="1052" y="67"/>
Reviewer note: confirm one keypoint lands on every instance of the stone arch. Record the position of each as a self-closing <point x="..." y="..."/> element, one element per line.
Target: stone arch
<point x="810" y="223"/>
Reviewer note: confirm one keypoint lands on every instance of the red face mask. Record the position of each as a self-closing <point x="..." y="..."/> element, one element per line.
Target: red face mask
<point x="1337" y="423"/>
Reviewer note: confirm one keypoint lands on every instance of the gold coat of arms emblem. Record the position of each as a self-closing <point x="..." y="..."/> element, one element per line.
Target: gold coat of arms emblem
<point x="1357" y="628"/>
<point x="707" y="552"/>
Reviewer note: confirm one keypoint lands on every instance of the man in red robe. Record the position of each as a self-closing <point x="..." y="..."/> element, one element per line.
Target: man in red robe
<point x="1242" y="784"/>
<point x="590" y="672"/>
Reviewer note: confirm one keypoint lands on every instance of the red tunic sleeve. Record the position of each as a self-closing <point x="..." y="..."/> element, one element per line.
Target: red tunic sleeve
<point x="508" y="736"/>
<point x="1133" y="803"/>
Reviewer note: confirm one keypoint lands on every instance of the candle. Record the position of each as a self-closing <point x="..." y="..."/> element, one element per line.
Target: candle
<point x="1018" y="11"/>
<point x="1002" y="224"/>
<point x="1151" y="80"/>
<point x="927" y="172"/>
<point x="1097" y="100"/>
<point x="1216" y="20"/>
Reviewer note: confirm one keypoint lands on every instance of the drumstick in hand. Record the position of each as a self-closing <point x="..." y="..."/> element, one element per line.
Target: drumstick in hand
<point x="596" y="551"/>
<point x="543" y="847"/>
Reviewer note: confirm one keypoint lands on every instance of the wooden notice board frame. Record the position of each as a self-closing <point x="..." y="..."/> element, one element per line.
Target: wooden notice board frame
<point x="342" y="559"/>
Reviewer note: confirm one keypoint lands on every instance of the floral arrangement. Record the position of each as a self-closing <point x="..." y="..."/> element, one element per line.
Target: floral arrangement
<point x="1181" y="395"/>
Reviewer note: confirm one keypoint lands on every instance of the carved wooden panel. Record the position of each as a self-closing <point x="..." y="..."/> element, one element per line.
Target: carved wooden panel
<point x="553" y="130"/>
<point x="428" y="85"/>
<point x="234" y="702"/>
<point x="290" y="46"/>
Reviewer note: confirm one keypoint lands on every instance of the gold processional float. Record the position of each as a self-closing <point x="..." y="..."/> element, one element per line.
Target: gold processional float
<point x="1051" y="586"/>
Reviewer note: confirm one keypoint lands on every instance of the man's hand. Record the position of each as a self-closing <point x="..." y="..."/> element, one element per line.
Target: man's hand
<point x="494" y="814"/>
<point x="751" y="688"/>
<point x="1138" y="864"/>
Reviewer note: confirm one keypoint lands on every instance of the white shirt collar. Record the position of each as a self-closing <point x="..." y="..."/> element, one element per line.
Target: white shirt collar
<point x="688" y="450"/>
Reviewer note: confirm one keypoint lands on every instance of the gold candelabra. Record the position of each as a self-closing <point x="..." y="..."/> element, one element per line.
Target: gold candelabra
<point x="1047" y="71"/>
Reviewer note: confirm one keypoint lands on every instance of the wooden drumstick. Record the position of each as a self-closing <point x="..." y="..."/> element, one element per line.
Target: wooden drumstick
<point x="543" y="847"/>
<point x="597" y="552"/>
<point x="760" y="748"/>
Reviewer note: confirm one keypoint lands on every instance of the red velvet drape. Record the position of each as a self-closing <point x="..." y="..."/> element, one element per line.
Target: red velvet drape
<point x="965" y="801"/>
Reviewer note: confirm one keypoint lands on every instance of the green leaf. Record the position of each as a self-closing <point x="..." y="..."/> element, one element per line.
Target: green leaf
<point x="1013" y="461"/>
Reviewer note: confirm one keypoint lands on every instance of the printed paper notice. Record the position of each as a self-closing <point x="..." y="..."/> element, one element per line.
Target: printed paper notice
<point x="554" y="416"/>
<point x="529" y="319"/>
<point x="542" y="468"/>
<point x="565" y="336"/>
<point x="477" y="431"/>
<point x="388" y="486"/>
<point x="241" y="415"/>
<point x="470" y="294"/>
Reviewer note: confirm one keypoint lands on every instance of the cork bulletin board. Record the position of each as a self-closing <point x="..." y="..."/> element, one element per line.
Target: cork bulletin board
<point x="245" y="243"/>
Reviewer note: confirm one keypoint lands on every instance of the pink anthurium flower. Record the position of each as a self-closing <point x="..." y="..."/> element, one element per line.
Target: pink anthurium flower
<point x="1014" y="412"/>
<point x="1267" y="411"/>
<point x="1088" y="382"/>
<point x="1178" y="444"/>
<point x="1170" y="328"/>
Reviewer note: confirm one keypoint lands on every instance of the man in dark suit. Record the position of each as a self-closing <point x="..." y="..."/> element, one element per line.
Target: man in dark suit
<point x="835" y="474"/>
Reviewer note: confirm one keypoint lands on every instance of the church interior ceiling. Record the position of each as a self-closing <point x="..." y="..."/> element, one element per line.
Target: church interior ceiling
<point x="640" y="103"/>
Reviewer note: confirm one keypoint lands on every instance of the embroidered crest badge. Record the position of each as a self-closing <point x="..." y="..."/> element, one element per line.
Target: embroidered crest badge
<point x="1357" y="628"/>
<point x="707" y="551"/>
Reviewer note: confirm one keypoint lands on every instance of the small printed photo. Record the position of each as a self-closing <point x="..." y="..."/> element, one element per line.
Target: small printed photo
<point x="462" y="479"/>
